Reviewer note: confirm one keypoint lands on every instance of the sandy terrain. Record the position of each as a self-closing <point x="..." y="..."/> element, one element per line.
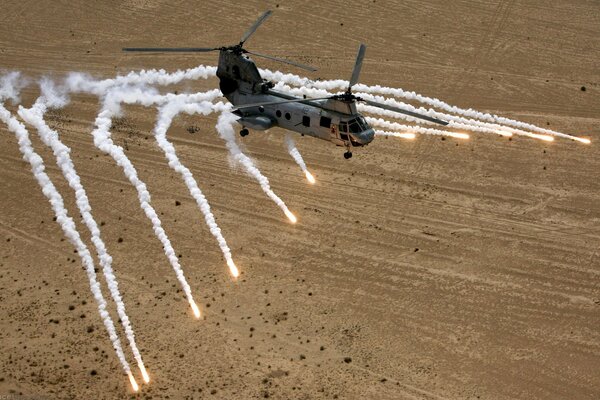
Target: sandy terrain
<point x="423" y="269"/>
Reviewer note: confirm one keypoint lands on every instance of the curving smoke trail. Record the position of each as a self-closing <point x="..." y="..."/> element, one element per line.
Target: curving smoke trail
<point x="64" y="220"/>
<point x="171" y="106"/>
<point x="227" y="133"/>
<point x="397" y="92"/>
<point x="103" y="141"/>
<point x="165" y="117"/>
<point x="35" y="117"/>
<point x="298" y="158"/>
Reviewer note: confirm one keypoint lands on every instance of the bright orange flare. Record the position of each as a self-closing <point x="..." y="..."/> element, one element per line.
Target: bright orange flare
<point x="144" y="372"/>
<point x="291" y="216"/>
<point x="134" y="384"/>
<point x="545" y="138"/>
<point x="458" y="135"/>
<point x="504" y="133"/>
<point x="406" y="135"/>
<point x="309" y="177"/>
<point x="583" y="140"/>
<point x="233" y="270"/>
<point x="195" y="309"/>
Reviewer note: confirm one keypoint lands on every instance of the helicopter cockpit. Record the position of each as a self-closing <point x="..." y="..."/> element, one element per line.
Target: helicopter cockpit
<point x="357" y="130"/>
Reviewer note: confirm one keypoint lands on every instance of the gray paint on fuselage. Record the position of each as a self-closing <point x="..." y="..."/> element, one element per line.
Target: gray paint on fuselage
<point x="250" y="88"/>
<point x="296" y="112"/>
<point x="313" y="109"/>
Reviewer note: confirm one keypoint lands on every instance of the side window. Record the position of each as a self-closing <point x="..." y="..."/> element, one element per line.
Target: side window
<point x="306" y="120"/>
<point x="278" y="113"/>
<point x="343" y="127"/>
<point x="325" y="122"/>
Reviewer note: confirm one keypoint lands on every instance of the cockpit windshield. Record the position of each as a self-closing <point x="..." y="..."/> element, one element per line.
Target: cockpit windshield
<point x="357" y="125"/>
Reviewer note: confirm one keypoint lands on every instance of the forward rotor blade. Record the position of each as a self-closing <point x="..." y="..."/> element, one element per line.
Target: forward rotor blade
<point x="306" y="67"/>
<point x="357" y="66"/>
<point x="406" y="112"/>
<point x="255" y="26"/>
<point x="271" y="103"/>
<point x="171" y="49"/>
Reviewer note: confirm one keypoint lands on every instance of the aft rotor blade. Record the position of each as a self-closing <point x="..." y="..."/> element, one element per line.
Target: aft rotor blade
<point x="406" y="112"/>
<point x="271" y="103"/>
<point x="357" y="66"/>
<point x="171" y="49"/>
<point x="306" y="67"/>
<point x="255" y="26"/>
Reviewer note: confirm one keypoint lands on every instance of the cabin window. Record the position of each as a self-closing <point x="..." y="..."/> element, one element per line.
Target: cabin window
<point x="343" y="127"/>
<point x="325" y="122"/>
<point x="278" y="113"/>
<point x="288" y="116"/>
<point x="261" y="109"/>
<point x="306" y="120"/>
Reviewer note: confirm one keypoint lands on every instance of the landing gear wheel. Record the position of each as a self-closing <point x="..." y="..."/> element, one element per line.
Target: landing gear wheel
<point x="348" y="155"/>
<point x="244" y="132"/>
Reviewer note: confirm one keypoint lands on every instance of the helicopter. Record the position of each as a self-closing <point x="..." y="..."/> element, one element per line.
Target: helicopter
<point x="333" y="118"/>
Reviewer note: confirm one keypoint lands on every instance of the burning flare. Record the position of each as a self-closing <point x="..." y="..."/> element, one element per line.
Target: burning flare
<point x="458" y="135"/>
<point x="195" y="308"/>
<point x="134" y="384"/>
<point x="583" y="140"/>
<point x="545" y="138"/>
<point x="145" y="375"/>
<point x="233" y="269"/>
<point x="309" y="177"/>
<point x="291" y="216"/>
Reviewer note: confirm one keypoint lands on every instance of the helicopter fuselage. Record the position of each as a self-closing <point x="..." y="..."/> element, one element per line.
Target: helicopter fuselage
<point x="336" y="121"/>
<point x="333" y="118"/>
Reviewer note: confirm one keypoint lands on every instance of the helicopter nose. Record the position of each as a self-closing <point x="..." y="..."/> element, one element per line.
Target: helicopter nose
<point x="366" y="137"/>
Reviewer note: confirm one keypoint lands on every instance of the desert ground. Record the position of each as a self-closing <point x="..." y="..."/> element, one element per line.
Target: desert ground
<point x="423" y="269"/>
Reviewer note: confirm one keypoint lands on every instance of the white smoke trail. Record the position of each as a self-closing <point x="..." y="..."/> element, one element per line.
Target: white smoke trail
<point x="414" y="129"/>
<point x="165" y="118"/>
<point x="68" y="227"/>
<point x="173" y="105"/>
<point x="454" y="121"/>
<point x="35" y="117"/>
<point x="377" y="89"/>
<point x="103" y="141"/>
<point x="79" y="82"/>
<point x="227" y="133"/>
<point x="298" y="158"/>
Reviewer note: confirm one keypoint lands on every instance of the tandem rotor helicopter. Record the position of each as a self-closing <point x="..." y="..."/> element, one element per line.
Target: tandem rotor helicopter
<point x="333" y="118"/>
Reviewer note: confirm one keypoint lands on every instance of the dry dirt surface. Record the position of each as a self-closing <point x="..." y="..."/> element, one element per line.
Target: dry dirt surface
<point x="425" y="269"/>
